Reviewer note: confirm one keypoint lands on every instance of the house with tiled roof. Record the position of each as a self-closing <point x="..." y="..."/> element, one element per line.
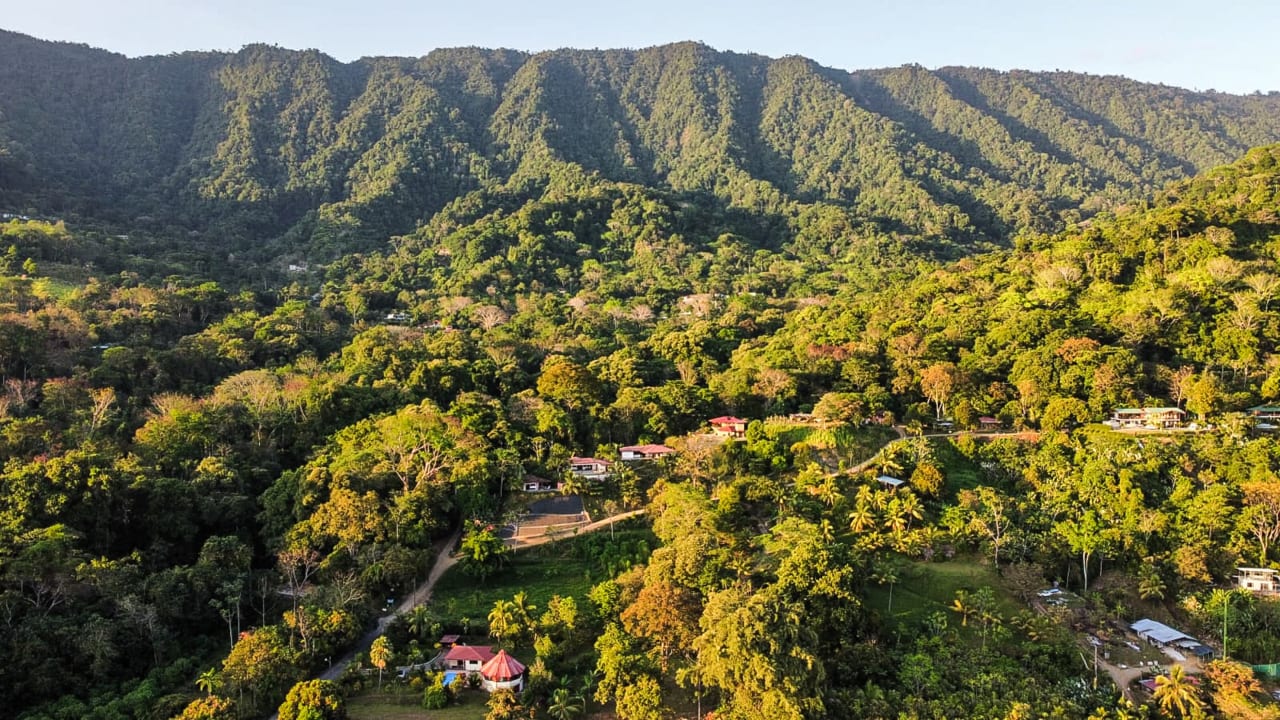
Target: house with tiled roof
<point x="729" y="426"/>
<point x="643" y="452"/>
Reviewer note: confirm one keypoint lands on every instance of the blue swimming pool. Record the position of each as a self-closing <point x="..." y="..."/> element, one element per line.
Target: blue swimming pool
<point x="450" y="676"/>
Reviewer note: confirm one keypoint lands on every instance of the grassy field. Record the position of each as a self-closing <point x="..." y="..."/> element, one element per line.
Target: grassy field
<point x="373" y="705"/>
<point x="929" y="587"/>
<point x="559" y="568"/>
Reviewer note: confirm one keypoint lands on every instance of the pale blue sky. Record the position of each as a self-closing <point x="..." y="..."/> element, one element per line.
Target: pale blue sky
<point x="1221" y="45"/>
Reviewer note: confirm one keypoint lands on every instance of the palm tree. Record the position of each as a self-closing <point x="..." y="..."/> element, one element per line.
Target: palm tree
<point x="420" y="621"/>
<point x="911" y="507"/>
<point x="861" y="519"/>
<point x="1176" y="691"/>
<point x="564" y="705"/>
<point x="895" y="517"/>
<point x="209" y="681"/>
<point x="380" y="654"/>
<point x="503" y="622"/>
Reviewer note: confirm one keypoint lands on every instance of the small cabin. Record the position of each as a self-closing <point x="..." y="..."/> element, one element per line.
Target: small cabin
<point x="987" y="423"/>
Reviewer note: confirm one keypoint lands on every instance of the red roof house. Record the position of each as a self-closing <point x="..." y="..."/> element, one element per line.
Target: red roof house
<point x="644" y="452"/>
<point x="729" y="426"/>
<point x="467" y="658"/>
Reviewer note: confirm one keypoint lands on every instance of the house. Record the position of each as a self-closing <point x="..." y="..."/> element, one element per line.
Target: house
<point x="589" y="468"/>
<point x="1259" y="581"/>
<point x="890" y="483"/>
<point x="1264" y="412"/>
<point x="397" y="318"/>
<point x="502" y="672"/>
<point x="1161" y="635"/>
<point x="644" y="452"/>
<point x="467" y="658"/>
<point x="1147" y="418"/>
<point x="729" y="426"/>
<point x="987" y="423"/>
<point x="533" y="483"/>
<point x="448" y="641"/>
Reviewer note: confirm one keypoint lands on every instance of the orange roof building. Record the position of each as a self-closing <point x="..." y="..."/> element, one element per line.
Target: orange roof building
<point x="502" y="672"/>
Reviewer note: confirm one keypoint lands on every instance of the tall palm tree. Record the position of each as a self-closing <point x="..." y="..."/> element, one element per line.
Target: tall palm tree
<point x="503" y="622"/>
<point x="1175" y="691"/>
<point x="420" y="621"/>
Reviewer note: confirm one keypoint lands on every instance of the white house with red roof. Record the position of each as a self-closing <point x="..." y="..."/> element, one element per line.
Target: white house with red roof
<point x="589" y="467"/>
<point x="467" y="658"/>
<point x="729" y="426"/>
<point x="502" y="672"/>
<point x="644" y="452"/>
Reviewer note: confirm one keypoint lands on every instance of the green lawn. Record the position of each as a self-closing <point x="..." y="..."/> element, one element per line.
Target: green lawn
<point x="928" y="587"/>
<point x="542" y="572"/>
<point x="372" y="705"/>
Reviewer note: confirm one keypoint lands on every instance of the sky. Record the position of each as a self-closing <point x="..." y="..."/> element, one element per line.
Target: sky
<point x="1222" y="45"/>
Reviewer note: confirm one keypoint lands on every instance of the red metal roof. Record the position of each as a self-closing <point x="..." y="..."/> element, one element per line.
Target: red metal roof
<point x="727" y="420"/>
<point x="647" y="449"/>
<point x="588" y="461"/>
<point x="502" y="668"/>
<point x="469" y="653"/>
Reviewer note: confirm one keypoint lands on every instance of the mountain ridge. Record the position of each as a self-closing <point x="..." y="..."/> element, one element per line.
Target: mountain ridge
<point x="255" y="142"/>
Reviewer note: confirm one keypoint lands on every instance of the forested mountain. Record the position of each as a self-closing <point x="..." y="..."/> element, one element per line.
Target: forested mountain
<point x="267" y="139"/>
<point x="216" y="470"/>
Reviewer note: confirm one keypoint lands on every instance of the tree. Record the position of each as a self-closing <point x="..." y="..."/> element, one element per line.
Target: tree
<point x="1261" y="516"/>
<point x="938" y="382"/>
<point x="483" y="551"/>
<point x="1085" y="535"/>
<point x="314" y="700"/>
<point x="504" y="705"/>
<point x="504" y="622"/>
<point x="380" y="653"/>
<point x="665" y="614"/>
<point x="564" y="705"/>
<point x="1175" y="691"/>
<point x="210" y="707"/>
<point x="987" y="513"/>
<point x="209" y="681"/>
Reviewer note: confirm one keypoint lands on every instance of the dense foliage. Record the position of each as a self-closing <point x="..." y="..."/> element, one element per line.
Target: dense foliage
<point x="217" y="467"/>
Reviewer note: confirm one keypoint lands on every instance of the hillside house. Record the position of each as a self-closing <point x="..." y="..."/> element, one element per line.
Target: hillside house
<point x="987" y="423"/>
<point x="1161" y="418"/>
<point x="533" y="483"/>
<point x="644" y="452"/>
<point x="1267" y="413"/>
<point x="729" y="426"/>
<point x="589" y="468"/>
<point x="1259" y="581"/>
